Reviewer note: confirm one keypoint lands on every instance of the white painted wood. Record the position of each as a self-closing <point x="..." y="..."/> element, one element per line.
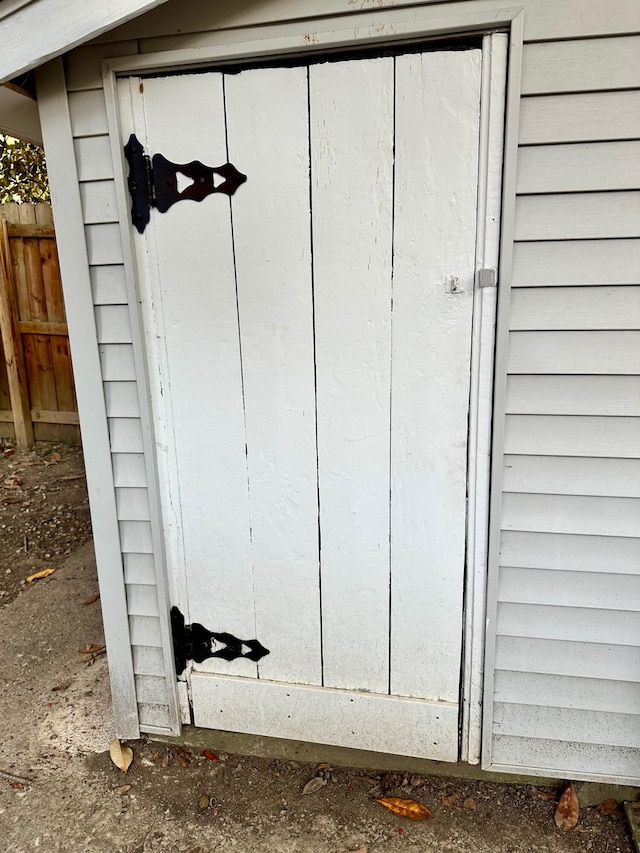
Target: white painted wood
<point x="54" y="111"/>
<point x="145" y="631"/>
<point x="570" y="553"/>
<point x="431" y="352"/>
<point x="581" y="66"/>
<point x="276" y="325"/>
<point x="340" y="717"/>
<point x="572" y="436"/>
<point x="598" y="352"/>
<point x="108" y="285"/>
<point x="151" y="689"/>
<point x="572" y="589"/>
<point x="129" y="470"/>
<point x="575" y="118"/>
<point x="117" y="362"/>
<point x="571" y="514"/>
<point x="133" y="504"/>
<point x="562" y="692"/>
<point x="139" y="569"/>
<point x="19" y="116"/>
<point x="556" y="657"/>
<point x="147" y="661"/>
<point x="577" y="216"/>
<point x="122" y="400"/>
<point x="99" y="201"/>
<point x="490" y="167"/>
<point x="135" y="537"/>
<point x="152" y="717"/>
<point x="103" y="244"/>
<point x="93" y="156"/>
<point x="142" y="600"/>
<point x="46" y="28"/>
<point x="569" y="475"/>
<point x="352" y="197"/>
<point x="88" y="113"/>
<point x="575" y="308"/>
<point x="582" y="262"/>
<point x="206" y="499"/>
<point x="564" y="724"/>
<point x="113" y="325"/>
<point x="573" y="395"/>
<point x="578" y="624"/>
<point x="126" y="435"/>
<point x="578" y="167"/>
<point x="545" y="19"/>
<point x="83" y="65"/>
<point x="569" y="759"/>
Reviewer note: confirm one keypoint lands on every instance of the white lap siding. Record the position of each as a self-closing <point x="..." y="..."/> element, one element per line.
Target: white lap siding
<point x="562" y="675"/>
<point x="148" y="621"/>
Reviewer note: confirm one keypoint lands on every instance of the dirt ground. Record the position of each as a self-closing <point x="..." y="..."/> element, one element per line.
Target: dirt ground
<point x="56" y="726"/>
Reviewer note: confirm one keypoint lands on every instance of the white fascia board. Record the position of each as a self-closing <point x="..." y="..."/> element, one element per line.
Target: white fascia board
<point x="19" y="116"/>
<point x="42" y="29"/>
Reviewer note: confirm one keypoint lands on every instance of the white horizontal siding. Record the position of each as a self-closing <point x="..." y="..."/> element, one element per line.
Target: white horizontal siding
<point x="576" y="262"/>
<point x="135" y="537"/>
<point x="578" y="624"/>
<point x="142" y="600"/>
<point x="126" y="435"/>
<point x="541" y="435"/>
<point x="153" y="718"/>
<point x="571" y="514"/>
<point x="575" y="308"/>
<point x="151" y="689"/>
<point x="590" y="116"/>
<point x="574" y="352"/>
<point x="93" y="158"/>
<point x="133" y="504"/>
<point x="122" y="400"/>
<point x="578" y="167"/>
<point x="559" y="691"/>
<point x="139" y="569"/>
<point x="573" y="395"/>
<point x="108" y="285"/>
<point x="129" y="469"/>
<point x="571" y="589"/>
<point x="148" y="660"/>
<point x="145" y="631"/>
<point x="567" y="724"/>
<point x="577" y="216"/>
<point x="103" y="244"/>
<point x="113" y="324"/>
<point x="117" y="363"/>
<point x="572" y="475"/>
<point x="577" y="760"/>
<point x="98" y="200"/>
<point x="563" y="552"/>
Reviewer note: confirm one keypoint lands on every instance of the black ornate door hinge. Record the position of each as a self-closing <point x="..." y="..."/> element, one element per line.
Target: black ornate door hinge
<point x="197" y="643"/>
<point x="153" y="181"/>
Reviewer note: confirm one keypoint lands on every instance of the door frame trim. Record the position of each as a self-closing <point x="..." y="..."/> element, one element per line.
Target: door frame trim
<point x="491" y="305"/>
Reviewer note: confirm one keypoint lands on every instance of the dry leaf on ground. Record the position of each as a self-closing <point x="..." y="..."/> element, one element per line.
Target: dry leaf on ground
<point x="92" y="598"/>
<point x="208" y="754"/>
<point x="544" y="795"/>
<point x="38" y="575"/>
<point x="91" y="648"/>
<point x="469" y="803"/>
<point x="359" y="850"/>
<point x="405" y="808"/>
<point x="55" y="457"/>
<point x="313" y="785"/>
<point x="450" y="800"/>
<point x="124" y="789"/>
<point x="183" y="756"/>
<point x="607" y="807"/>
<point x="122" y="756"/>
<point x="568" y="809"/>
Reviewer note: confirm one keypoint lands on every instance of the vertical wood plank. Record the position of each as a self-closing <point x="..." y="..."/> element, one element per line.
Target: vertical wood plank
<point x="437" y="127"/>
<point x="271" y="227"/>
<point x="12" y="345"/>
<point x="197" y="352"/>
<point x="351" y="107"/>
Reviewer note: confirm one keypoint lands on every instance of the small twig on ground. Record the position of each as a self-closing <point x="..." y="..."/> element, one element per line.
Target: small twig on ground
<point x="11" y="777"/>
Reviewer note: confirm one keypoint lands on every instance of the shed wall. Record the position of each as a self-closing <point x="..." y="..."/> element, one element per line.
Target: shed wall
<point x="563" y="680"/>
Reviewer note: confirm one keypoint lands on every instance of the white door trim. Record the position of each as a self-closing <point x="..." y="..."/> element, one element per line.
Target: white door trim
<point x="496" y="193"/>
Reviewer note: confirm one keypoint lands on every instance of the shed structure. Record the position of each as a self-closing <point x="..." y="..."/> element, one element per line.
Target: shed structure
<point x="361" y="426"/>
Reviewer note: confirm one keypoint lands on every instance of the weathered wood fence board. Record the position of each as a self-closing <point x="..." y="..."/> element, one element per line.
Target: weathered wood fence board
<point x="37" y="396"/>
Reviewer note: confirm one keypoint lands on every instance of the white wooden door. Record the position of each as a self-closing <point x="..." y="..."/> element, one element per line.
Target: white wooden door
<point x="309" y="351"/>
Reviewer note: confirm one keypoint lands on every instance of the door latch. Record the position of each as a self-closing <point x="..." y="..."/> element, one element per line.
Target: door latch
<point x="155" y="181"/>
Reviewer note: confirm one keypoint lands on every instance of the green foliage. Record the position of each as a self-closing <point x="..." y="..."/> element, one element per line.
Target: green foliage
<point x="23" y="171"/>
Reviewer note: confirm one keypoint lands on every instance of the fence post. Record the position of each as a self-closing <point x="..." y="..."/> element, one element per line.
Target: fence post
<point x="12" y="345"/>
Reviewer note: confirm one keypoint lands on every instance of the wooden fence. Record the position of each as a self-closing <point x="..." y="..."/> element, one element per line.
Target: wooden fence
<point x="37" y="395"/>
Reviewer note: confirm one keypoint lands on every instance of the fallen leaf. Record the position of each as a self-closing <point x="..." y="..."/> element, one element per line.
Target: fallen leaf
<point x="92" y="598"/>
<point x="314" y="785"/>
<point x="450" y="800"/>
<point x="91" y="648"/>
<point x="165" y="760"/>
<point x="469" y="803"/>
<point x="211" y="756"/>
<point x="124" y="789"/>
<point x="38" y="575"/>
<point x="183" y="756"/>
<point x="55" y="457"/>
<point x="60" y="687"/>
<point x="359" y="850"/>
<point x="544" y="795"/>
<point x="607" y="807"/>
<point x="17" y="785"/>
<point x="203" y="802"/>
<point x="405" y="808"/>
<point x="568" y="809"/>
<point x="12" y="482"/>
<point x="122" y="756"/>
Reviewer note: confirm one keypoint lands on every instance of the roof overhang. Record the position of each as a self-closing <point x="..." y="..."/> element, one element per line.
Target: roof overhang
<point x="33" y="31"/>
<point x="19" y="114"/>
